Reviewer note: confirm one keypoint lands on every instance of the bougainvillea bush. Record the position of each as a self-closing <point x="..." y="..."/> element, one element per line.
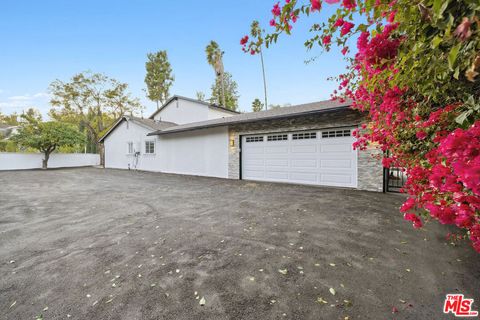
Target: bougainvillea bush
<point x="415" y="72"/>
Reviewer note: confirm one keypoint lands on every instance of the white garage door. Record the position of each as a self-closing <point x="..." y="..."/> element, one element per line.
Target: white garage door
<point x="309" y="157"/>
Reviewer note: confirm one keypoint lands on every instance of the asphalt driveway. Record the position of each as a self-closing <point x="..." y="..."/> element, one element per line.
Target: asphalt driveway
<point x="107" y="244"/>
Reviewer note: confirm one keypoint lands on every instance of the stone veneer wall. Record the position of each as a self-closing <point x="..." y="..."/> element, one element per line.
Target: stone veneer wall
<point x="370" y="171"/>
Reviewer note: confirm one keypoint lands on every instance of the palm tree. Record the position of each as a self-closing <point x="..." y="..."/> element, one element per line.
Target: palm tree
<point x="256" y="32"/>
<point x="215" y="59"/>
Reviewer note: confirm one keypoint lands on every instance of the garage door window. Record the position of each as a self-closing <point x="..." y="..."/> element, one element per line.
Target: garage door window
<point x="254" y="139"/>
<point x="336" y="133"/>
<point x="304" y="135"/>
<point x="277" y="137"/>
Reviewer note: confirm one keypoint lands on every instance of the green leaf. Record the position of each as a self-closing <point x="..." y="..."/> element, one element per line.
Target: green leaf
<point x="463" y="116"/>
<point x="452" y="56"/>
<point x="439" y="7"/>
<point x="436" y="41"/>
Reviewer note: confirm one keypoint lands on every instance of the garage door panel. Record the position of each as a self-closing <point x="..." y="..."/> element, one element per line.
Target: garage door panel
<point x="277" y="175"/>
<point x="336" y="163"/>
<point x="251" y="173"/>
<point x="277" y="162"/>
<point x="276" y="149"/>
<point x="255" y="150"/>
<point x="303" y="177"/>
<point x="304" y="163"/>
<point x="309" y="148"/>
<point x="309" y="159"/>
<point x="255" y="163"/>
<point x="336" y="148"/>
<point x="336" y="178"/>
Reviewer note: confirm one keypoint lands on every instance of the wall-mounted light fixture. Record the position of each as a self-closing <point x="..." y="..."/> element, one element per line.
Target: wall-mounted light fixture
<point x="232" y="142"/>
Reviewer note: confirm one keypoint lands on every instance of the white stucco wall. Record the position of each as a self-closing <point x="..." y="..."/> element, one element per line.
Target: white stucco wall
<point x="218" y="113"/>
<point x="200" y="152"/>
<point x="182" y="111"/>
<point x="116" y="147"/>
<point x="22" y="161"/>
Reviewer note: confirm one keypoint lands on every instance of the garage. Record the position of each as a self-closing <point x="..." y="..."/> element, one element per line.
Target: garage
<point x="315" y="157"/>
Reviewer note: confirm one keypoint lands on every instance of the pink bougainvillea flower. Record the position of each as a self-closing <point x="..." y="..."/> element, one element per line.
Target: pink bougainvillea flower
<point x="421" y="135"/>
<point x="316" y="5"/>
<point x="339" y="22"/>
<point x="347" y="26"/>
<point x="408" y="205"/>
<point x="276" y="11"/>
<point x="252" y="52"/>
<point x="391" y="16"/>
<point x="273" y="23"/>
<point x="244" y="40"/>
<point x="463" y="30"/>
<point x="349" y="4"/>
<point x="294" y="17"/>
<point x="417" y="223"/>
<point x="344" y="50"/>
<point x="327" y="40"/>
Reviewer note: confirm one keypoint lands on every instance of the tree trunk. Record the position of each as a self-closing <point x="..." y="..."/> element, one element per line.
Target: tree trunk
<point x="45" y="160"/>
<point x="264" y="80"/>
<point x="223" y="90"/>
<point x="101" y="151"/>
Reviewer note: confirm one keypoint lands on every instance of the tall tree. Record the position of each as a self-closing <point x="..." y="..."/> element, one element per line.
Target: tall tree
<point x="159" y="77"/>
<point x="215" y="59"/>
<point x="257" y="105"/>
<point x="200" y="95"/>
<point x="257" y="32"/>
<point x="225" y="88"/>
<point x="93" y="102"/>
<point x="46" y="137"/>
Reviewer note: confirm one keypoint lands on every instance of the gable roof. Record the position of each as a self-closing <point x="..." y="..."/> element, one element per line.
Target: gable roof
<point x="147" y="123"/>
<point x="278" y="113"/>
<point x="177" y="97"/>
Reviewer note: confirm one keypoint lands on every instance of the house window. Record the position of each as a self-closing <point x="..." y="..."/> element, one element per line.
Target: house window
<point x="254" y="139"/>
<point x="304" y="135"/>
<point x="130" y="147"/>
<point x="336" y="133"/>
<point x="277" y="137"/>
<point x="149" y="147"/>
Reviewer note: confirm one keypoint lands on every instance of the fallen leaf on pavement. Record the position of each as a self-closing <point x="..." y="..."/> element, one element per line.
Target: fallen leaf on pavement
<point x="202" y="301"/>
<point x="321" y="300"/>
<point x="283" y="271"/>
<point x="332" y="291"/>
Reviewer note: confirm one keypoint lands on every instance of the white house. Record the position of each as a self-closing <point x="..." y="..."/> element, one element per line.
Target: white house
<point x="128" y="146"/>
<point x="305" y="144"/>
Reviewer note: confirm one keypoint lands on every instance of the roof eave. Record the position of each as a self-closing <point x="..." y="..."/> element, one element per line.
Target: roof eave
<point x="306" y="113"/>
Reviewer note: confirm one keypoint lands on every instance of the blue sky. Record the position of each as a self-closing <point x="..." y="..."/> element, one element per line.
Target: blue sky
<point x="47" y="40"/>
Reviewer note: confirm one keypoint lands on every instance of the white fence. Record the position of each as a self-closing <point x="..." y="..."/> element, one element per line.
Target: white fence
<point x="19" y="161"/>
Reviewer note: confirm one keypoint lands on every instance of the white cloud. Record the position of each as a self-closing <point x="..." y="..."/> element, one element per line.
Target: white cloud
<point x="19" y="103"/>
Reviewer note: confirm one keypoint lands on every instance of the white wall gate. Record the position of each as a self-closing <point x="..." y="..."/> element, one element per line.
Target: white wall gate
<point x="316" y="157"/>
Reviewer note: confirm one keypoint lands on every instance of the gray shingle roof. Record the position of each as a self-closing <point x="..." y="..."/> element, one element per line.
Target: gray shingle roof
<point x="155" y="125"/>
<point x="278" y="113"/>
<point x="149" y="123"/>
